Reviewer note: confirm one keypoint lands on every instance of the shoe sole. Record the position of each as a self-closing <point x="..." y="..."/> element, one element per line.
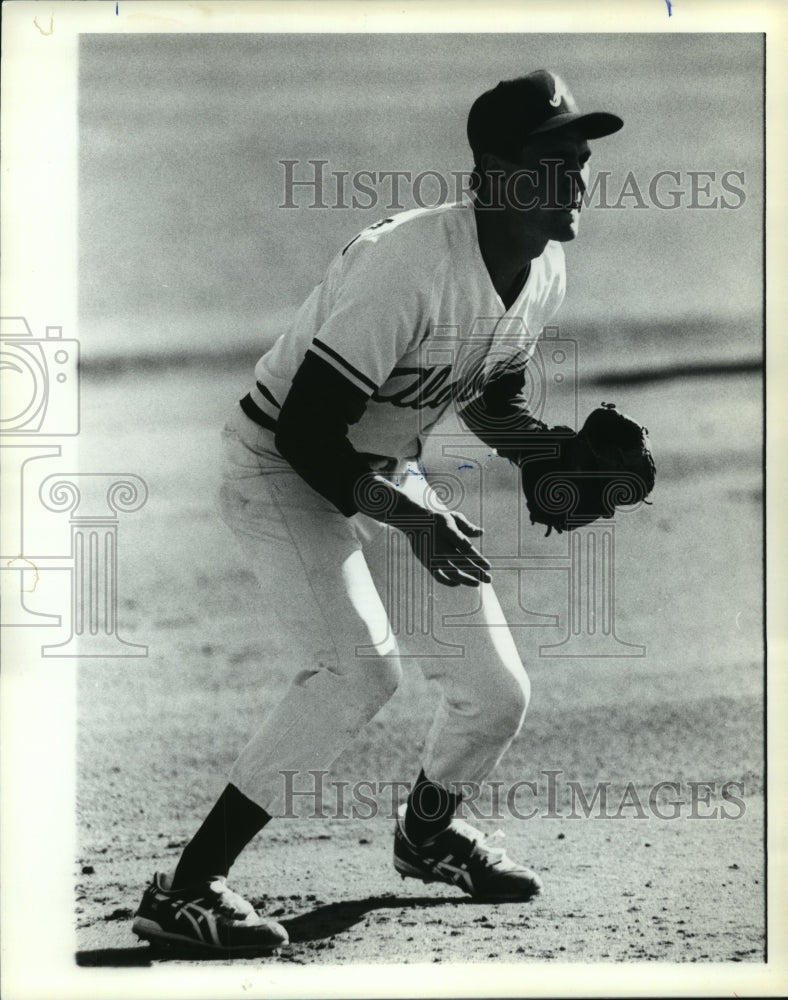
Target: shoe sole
<point x="408" y="871"/>
<point x="153" y="933"/>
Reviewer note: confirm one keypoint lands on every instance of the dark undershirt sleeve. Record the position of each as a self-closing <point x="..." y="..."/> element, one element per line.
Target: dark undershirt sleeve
<point x="501" y="418"/>
<point x="311" y="432"/>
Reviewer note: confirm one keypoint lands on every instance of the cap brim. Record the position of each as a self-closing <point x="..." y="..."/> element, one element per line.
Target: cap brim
<point x="593" y="125"/>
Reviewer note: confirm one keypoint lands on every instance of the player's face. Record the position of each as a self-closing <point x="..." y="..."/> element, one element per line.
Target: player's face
<point x="544" y="186"/>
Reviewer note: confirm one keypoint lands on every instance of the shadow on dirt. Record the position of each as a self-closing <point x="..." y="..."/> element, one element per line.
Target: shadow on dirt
<point x="322" y="922"/>
<point x="334" y="918"/>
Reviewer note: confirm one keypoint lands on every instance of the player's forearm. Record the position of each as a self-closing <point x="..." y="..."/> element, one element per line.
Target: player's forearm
<point x="510" y="427"/>
<point x="380" y="499"/>
<point x="501" y="416"/>
<point x="336" y="471"/>
<point x="311" y="433"/>
<point x="332" y="471"/>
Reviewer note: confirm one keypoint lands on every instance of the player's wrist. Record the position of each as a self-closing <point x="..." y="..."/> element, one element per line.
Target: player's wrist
<point x="407" y="515"/>
<point x="380" y="499"/>
<point x="547" y="442"/>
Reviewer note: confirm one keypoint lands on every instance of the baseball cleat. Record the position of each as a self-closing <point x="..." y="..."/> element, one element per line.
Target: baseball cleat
<point x="208" y="916"/>
<point x="461" y="855"/>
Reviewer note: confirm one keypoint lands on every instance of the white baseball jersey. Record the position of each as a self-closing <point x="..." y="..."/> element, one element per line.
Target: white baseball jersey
<point x="405" y="324"/>
<point x="408" y="314"/>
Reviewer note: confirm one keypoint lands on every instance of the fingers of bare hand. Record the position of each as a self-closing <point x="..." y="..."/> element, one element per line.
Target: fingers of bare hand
<point x="451" y="543"/>
<point x="478" y="574"/>
<point x="468" y="554"/>
<point x="470" y="575"/>
<point x="461" y="569"/>
<point x="467" y="527"/>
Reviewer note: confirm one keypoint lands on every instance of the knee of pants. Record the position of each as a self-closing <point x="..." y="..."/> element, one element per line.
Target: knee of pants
<point x="381" y="675"/>
<point x="507" y="705"/>
<point x="362" y="692"/>
<point x="374" y="674"/>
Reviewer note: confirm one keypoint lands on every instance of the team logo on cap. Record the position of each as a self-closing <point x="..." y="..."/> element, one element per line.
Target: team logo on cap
<point x="561" y="93"/>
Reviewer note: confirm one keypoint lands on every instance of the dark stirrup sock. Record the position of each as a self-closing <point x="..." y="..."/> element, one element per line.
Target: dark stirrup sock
<point x="227" y="829"/>
<point x="430" y="810"/>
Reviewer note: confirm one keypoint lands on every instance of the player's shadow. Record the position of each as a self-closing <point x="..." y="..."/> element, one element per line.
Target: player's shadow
<point x="335" y="918"/>
<point x="324" y="921"/>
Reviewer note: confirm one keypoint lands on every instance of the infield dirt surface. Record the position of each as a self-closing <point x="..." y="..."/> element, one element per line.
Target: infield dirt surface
<point x="158" y="734"/>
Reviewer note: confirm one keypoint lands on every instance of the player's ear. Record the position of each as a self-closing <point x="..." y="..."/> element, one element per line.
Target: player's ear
<point x="491" y="163"/>
<point x="491" y="170"/>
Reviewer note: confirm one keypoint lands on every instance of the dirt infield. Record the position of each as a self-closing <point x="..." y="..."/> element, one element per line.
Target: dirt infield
<point x="157" y="735"/>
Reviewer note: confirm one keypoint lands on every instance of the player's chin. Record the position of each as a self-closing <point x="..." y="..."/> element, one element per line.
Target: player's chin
<point x="565" y="225"/>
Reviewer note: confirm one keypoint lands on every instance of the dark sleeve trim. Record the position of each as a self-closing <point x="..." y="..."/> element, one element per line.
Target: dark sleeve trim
<point x="345" y="364"/>
<point x="253" y="411"/>
<point x="268" y="395"/>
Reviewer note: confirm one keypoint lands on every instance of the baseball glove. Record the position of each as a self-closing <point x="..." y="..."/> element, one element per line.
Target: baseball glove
<point x="578" y="478"/>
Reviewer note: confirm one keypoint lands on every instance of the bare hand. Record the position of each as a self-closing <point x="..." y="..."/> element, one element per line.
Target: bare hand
<point x="442" y="545"/>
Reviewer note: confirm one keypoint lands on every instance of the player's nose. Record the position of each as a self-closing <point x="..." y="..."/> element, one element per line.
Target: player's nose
<point x="579" y="181"/>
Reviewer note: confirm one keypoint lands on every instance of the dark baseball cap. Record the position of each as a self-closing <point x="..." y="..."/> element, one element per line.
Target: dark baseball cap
<point x="504" y="118"/>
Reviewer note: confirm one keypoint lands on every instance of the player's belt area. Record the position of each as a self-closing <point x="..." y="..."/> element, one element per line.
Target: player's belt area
<point x="377" y="463"/>
<point x="253" y="411"/>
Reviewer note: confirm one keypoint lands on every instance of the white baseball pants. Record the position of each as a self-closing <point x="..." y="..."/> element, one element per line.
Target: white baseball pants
<point x="287" y="528"/>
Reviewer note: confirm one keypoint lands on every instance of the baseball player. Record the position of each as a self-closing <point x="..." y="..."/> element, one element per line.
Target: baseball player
<point x="321" y="467"/>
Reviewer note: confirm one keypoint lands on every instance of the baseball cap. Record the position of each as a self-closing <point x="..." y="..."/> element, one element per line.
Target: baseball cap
<point x="504" y="118"/>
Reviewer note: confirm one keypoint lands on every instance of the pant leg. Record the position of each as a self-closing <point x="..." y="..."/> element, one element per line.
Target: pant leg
<point x="288" y="529"/>
<point x="483" y="703"/>
<point x="484" y="692"/>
